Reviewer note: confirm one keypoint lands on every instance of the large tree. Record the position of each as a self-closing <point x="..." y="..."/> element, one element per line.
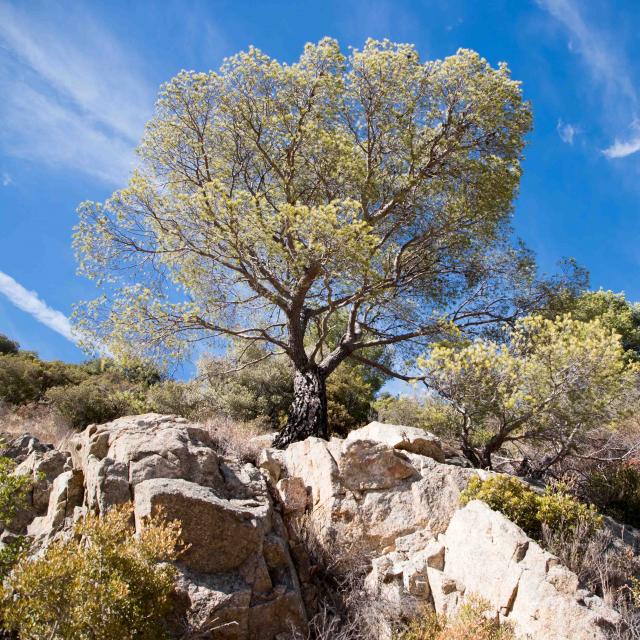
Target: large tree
<point x="278" y="201"/>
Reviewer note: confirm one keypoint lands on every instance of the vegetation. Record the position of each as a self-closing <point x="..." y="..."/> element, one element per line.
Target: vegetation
<point x="469" y="623"/>
<point x="13" y="495"/>
<point x="556" y="508"/>
<point x="612" y="309"/>
<point x="551" y="383"/>
<point x="104" y="583"/>
<point x="368" y="195"/>
<point x="615" y="489"/>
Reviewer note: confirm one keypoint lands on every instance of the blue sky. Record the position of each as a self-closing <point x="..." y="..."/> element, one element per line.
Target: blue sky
<point x="78" y="81"/>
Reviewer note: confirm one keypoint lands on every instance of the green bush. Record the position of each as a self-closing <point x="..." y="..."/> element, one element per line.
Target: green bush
<point x="13" y="496"/>
<point x="175" y="397"/>
<point x="616" y="491"/>
<point x="25" y="378"/>
<point x="556" y="508"/>
<point x="105" y="583"/>
<point x="7" y="345"/>
<point x="95" y="400"/>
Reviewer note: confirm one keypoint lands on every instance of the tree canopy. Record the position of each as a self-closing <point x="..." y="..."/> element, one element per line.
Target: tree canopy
<point x="551" y="383"/>
<point x="370" y="192"/>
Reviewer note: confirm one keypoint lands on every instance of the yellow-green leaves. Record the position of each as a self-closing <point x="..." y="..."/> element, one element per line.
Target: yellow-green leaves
<point x="372" y="180"/>
<point x="105" y="583"/>
<point x="553" y="380"/>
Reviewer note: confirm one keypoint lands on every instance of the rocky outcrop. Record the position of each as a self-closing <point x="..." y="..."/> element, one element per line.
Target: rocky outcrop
<point x="236" y="578"/>
<point x="383" y="489"/>
<point x="385" y="492"/>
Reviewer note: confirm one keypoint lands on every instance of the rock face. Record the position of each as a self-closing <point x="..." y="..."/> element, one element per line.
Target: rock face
<point x="237" y="576"/>
<point x="390" y="493"/>
<point x="384" y="491"/>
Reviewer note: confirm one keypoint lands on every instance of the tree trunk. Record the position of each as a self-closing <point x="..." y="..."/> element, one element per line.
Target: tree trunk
<point x="308" y="413"/>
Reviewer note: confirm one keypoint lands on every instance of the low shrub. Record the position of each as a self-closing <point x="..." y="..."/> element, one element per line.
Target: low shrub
<point x="556" y="508"/>
<point x="472" y="622"/>
<point x="104" y="583"/>
<point x="13" y="496"/>
<point x="615" y="489"/>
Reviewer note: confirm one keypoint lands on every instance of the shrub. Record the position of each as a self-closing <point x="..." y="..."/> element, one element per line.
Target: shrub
<point x="7" y="345"/>
<point x="13" y="495"/>
<point x="104" y="583"/>
<point x="97" y="399"/>
<point x="556" y="508"/>
<point x="616" y="491"/>
<point x="470" y="623"/>
<point x="175" y="397"/>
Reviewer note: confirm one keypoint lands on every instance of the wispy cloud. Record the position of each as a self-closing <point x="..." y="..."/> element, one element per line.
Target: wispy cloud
<point x="6" y="179"/>
<point x="30" y="302"/>
<point x="608" y="67"/>
<point x="567" y="131"/>
<point x="72" y="94"/>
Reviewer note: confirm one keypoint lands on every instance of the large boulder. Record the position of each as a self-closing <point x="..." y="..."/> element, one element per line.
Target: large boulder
<point x="377" y="493"/>
<point x="395" y="436"/>
<point x="236" y="578"/>
<point x="524" y="583"/>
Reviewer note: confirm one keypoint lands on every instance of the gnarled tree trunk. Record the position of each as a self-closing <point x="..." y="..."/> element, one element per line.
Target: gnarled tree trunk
<point x="308" y="413"/>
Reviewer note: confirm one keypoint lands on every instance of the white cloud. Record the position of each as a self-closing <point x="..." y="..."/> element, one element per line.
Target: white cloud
<point x="621" y="149"/>
<point x="72" y="95"/>
<point x="29" y="302"/>
<point x="6" y="179"/>
<point x="567" y="131"/>
<point x="608" y="66"/>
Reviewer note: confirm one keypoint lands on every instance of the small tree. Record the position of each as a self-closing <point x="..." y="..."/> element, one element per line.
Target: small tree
<point x="551" y="383"/>
<point x="370" y="193"/>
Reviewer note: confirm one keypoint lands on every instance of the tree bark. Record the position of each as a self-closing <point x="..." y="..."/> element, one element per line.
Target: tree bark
<point x="308" y="413"/>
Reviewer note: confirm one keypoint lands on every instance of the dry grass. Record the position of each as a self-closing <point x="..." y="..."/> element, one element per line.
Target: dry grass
<point x="38" y="419"/>
<point x="235" y="439"/>
<point x="344" y="610"/>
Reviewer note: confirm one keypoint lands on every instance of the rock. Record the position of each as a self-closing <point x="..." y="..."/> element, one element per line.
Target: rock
<point x="67" y="493"/>
<point x="525" y="584"/>
<point x="366" y="465"/>
<point x="21" y="447"/>
<point x="220" y="534"/>
<point x="410" y="439"/>
<point x="292" y="493"/>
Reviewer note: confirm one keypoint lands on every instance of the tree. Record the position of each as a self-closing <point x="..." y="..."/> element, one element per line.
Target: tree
<point x="551" y="383"/>
<point x="612" y="309"/>
<point x="275" y="199"/>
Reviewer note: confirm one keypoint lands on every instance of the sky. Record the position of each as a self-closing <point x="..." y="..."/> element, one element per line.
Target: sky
<point x="78" y="81"/>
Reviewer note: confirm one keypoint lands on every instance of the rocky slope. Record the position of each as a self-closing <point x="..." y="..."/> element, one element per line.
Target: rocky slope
<point x="385" y="490"/>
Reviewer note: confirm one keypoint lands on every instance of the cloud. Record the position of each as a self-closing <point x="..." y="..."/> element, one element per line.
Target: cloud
<point x="621" y="149"/>
<point x="72" y="94"/>
<point x="29" y="302"/>
<point x="567" y="131"/>
<point x="6" y="179"/>
<point x="609" y="68"/>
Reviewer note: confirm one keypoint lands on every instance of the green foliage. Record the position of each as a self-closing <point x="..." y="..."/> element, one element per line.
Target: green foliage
<point x="556" y="508"/>
<point x="13" y="490"/>
<point x="25" y="378"/>
<point x="430" y="413"/>
<point x="616" y="491"/>
<point x="612" y="309"/>
<point x="105" y="583"/>
<point x="470" y="623"/>
<point x="552" y="381"/>
<point x="8" y="346"/>
<point x="13" y="497"/>
<point x="97" y="399"/>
